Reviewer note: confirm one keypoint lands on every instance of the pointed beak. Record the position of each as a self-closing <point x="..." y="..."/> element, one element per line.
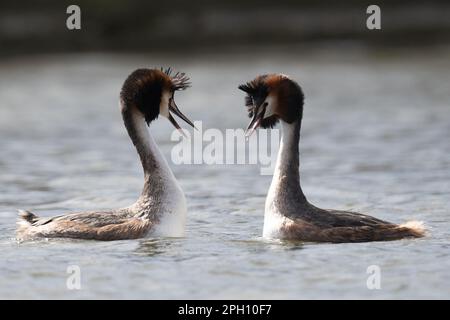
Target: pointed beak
<point x="174" y="109"/>
<point x="256" y="120"/>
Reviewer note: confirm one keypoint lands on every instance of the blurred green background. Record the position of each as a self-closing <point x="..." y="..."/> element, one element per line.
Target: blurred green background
<point x="181" y="26"/>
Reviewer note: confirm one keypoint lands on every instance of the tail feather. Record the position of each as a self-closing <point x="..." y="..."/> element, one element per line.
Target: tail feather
<point x="416" y="228"/>
<point x="25" y="225"/>
<point x="28" y="216"/>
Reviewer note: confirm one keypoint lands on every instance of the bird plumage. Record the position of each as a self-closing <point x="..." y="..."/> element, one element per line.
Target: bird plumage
<point x="288" y="214"/>
<point x="161" y="207"/>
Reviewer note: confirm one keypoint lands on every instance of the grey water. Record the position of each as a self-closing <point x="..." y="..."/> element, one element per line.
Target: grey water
<point x="375" y="139"/>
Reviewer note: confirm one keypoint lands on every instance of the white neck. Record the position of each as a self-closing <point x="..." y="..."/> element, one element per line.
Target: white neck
<point x="153" y="161"/>
<point x="159" y="180"/>
<point x="288" y="157"/>
<point x="285" y="189"/>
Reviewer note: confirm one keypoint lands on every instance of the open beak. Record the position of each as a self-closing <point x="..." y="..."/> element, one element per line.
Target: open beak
<point x="256" y="120"/>
<point x="174" y="109"/>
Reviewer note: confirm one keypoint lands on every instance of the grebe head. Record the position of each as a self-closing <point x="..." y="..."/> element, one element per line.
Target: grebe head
<point x="152" y="92"/>
<point x="271" y="97"/>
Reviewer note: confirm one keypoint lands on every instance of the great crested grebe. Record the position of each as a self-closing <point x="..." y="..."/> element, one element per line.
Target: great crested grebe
<point x="161" y="208"/>
<point x="288" y="214"/>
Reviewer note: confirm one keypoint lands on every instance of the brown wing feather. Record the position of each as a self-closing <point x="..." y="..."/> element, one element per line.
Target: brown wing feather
<point x="337" y="218"/>
<point x="112" y="225"/>
<point x="319" y="225"/>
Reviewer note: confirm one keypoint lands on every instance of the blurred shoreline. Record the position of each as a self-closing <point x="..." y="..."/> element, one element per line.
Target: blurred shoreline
<point x="215" y="26"/>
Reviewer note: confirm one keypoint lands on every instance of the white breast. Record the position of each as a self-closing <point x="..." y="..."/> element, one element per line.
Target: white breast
<point x="171" y="223"/>
<point x="274" y="222"/>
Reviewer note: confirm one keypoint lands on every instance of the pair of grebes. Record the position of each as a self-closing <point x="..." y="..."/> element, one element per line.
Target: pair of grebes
<point x="161" y="208"/>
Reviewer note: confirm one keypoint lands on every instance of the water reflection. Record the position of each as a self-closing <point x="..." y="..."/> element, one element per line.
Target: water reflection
<point x="261" y="245"/>
<point x="154" y="247"/>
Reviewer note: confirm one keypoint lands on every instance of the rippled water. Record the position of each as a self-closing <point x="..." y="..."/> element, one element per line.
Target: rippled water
<point x="375" y="139"/>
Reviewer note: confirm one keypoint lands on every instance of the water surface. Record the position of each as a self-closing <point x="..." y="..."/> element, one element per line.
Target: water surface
<point x="375" y="139"/>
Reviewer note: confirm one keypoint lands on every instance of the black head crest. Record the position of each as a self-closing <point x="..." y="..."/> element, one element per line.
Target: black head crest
<point x="257" y="91"/>
<point x="180" y="81"/>
<point x="143" y="88"/>
<point x="286" y="100"/>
